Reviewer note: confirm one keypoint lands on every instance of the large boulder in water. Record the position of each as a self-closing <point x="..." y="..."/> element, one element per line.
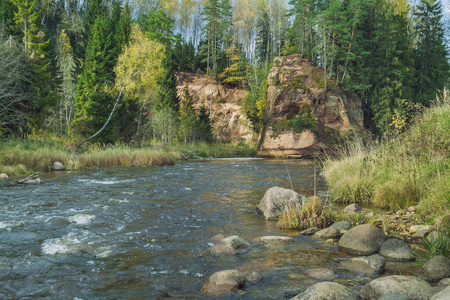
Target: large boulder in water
<point x="231" y="245"/>
<point x="411" y="286"/>
<point x="276" y="200"/>
<point x="362" y="240"/>
<point x="223" y="282"/>
<point x="326" y="290"/>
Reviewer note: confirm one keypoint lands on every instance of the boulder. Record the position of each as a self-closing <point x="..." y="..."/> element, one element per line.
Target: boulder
<point x="365" y="265"/>
<point x="362" y="240"/>
<point x="342" y="226"/>
<point x="320" y="274"/>
<point x="326" y="290"/>
<point x="310" y="231"/>
<point x="352" y="208"/>
<point x="435" y="269"/>
<point x="328" y="233"/>
<point x="276" y="200"/>
<point x="395" y="296"/>
<point x="442" y="295"/>
<point x="274" y="239"/>
<point x="410" y="286"/>
<point x="397" y="250"/>
<point x="3" y="176"/>
<point x="57" y="166"/>
<point x="223" y="282"/>
<point x="231" y="245"/>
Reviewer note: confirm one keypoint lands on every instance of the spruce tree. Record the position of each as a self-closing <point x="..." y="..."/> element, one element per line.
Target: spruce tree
<point x="187" y="117"/>
<point x="167" y="96"/>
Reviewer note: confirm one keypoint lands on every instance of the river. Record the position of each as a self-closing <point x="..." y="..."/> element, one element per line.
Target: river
<point x="141" y="233"/>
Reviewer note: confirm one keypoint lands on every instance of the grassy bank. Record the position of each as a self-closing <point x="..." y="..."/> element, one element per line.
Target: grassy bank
<point x="409" y="169"/>
<point x="19" y="157"/>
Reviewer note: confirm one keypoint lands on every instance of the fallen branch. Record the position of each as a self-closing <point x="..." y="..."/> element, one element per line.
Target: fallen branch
<point x="24" y="180"/>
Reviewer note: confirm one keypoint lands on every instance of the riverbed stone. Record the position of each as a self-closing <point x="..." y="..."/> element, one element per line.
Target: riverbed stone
<point x="3" y="176"/>
<point x="435" y="269"/>
<point x="326" y="290"/>
<point x="231" y="245"/>
<point x="352" y="208"/>
<point x="362" y="240"/>
<point x="310" y="231"/>
<point x="395" y="296"/>
<point x="365" y="265"/>
<point x="274" y="239"/>
<point x="343" y="226"/>
<point x="223" y="282"/>
<point x="253" y="277"/>
<point x="57" y="166"/>
<point x="397" y="250"/>
<point x="442" y="295"/>
<point x="420" y="228"/>
<point x="411" y="286"/>
<point x="328" y="233"/>
<point x="320" y="274"/>
<point x="276" y="200"/>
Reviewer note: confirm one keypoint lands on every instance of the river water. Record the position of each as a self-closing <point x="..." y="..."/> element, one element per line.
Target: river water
<point x="141" y="233"/>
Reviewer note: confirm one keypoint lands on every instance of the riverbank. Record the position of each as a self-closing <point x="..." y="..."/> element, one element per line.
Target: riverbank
<point x="19" y="157"/>
<point x="412" y="168"/>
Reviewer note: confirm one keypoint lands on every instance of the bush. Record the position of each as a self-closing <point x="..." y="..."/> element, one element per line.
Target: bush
<point x="312" y="214"/>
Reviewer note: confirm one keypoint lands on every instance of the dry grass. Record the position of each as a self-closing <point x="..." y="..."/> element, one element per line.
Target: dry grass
<point x="312" y="214"/>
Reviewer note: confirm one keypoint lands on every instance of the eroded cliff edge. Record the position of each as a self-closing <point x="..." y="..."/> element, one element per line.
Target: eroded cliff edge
<point x="294" y="85"/>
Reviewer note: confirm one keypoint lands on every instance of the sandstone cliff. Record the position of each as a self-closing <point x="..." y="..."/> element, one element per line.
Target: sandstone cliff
<point x="294" y="84"/>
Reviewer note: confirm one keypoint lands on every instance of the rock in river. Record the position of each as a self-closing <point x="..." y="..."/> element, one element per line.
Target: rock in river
<point x="367" y="265"/>
<point x="231" y="245"/>
<point x="276" y="200"/>
<point x="435" y="269"/>
<point x="362" y="240"/>
<point x="326" y="290"/>
<point x="411" y="286"/>
<point x="223" y="282"/>
<point x="57" y="166"/>
<point x="397" y="250"/>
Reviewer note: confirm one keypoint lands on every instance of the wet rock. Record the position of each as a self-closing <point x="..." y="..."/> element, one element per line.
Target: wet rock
<point x="230" y="246"/>
<point x="395" y="296"/>
<point x="332" y="242"/>
<point x="223" y="282"/>
<point x="274" y="239"/>
<point x="253" y="277"/>
<point x="411" y="286"/>
<point x="341" y="226"/>
<point x="288" y="294"/>
<point x="442" y="295"/>
<point x="397" y="250"/>
<point x="326" y="290"/>
<point x="320" y="274"/>
<point x="442" y="223"/>
<point x="328" y="233"/>
<point x="366" y="265"/>
<point x="276" y="200"/>
<point x="3" y="176"/>
<point x="362" y="240"/>
<point x="435" y="269"/>
<point x="310" y="231"/>
<point x="57" y="166"/>
<point x="352" y="208"/>
<point x="420" y="228"/>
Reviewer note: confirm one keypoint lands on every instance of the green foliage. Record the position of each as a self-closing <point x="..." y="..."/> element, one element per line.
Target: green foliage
<point x="204" y="127"/>
<point x="304" y="120"/>
<point x="157" y="25"/>
<point x="167" y="97"/>
<point x="436" y="243"/>
<point x="312" y="214"/>
<point x="187" y="118"/>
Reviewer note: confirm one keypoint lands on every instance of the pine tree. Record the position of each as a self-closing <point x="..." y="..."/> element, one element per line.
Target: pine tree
<point x="6" y="17"/>
<point x="167" y="96"/>
<point x="203" y="126"/>
<point x="431" y="56"/>
<point x="187" y="117"/>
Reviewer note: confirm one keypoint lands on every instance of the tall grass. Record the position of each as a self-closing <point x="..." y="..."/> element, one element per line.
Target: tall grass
<point x="412" y="168"/>
<point x="19" y="157"/>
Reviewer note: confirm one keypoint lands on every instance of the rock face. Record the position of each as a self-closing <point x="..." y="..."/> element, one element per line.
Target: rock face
<point x="326" y="290"/>
<point x="276" y="200"/>
<point x="362" y="240"/>
<point x="397" y="250"/>
<point x="367" y="265"/>
<point x="411" y="286"/>
<point x="435" y="269"/>
<point x="294" y="85"/>
<point x="223" y="282"/>
<point x="231" y="245"/>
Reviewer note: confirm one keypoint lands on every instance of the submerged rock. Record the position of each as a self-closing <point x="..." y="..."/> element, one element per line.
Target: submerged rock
<point x="326" y="290"/>
<point x="230" y="246"/>
<point x="320" y="274"/>
<point x="366" y="265"/>
<point x="274" y="239"/>
<point x="397" y="250"/>
<point x="223" y="282"/>
<point x="410" y="286"/>
<point x="362" y="240"/>
<point x="435" y="269"/>
<point x="276" y="200"/>
<point x="253" y="277"/>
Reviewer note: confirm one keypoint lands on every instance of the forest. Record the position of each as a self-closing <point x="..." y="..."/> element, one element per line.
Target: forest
<point x="106" y="68"/>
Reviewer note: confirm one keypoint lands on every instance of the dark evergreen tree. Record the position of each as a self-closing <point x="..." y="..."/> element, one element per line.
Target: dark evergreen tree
<point x="204" y="128"/>
<point x="6" y="17"/>
<point x="167" y="96"/>
<point x="431" y="55"/>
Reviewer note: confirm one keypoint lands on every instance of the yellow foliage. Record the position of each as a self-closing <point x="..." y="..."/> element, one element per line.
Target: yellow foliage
<point x="139" y="66"/>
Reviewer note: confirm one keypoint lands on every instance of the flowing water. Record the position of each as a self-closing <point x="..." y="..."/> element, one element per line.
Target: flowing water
<point x="141" y="233"/>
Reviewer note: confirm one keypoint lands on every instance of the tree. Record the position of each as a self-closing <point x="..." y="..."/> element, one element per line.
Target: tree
<point x="187" y="117"/>
<point x="431" y="56"/>
<point x="204" y="128"/>
<point x="167" y="97"/>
